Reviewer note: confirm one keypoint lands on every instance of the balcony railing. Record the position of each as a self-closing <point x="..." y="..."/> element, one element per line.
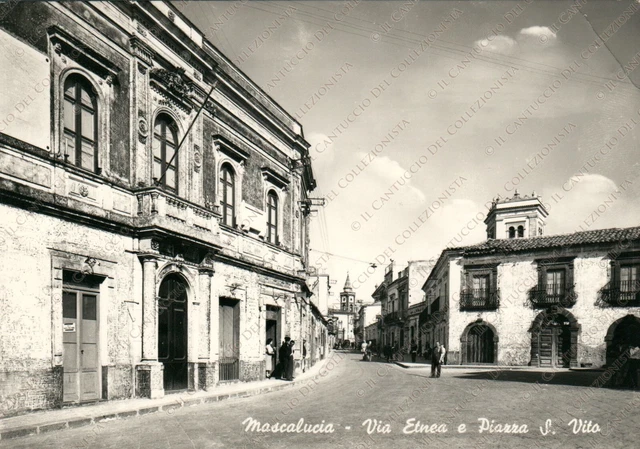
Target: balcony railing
<point x="552" y="295"/>
<point x="480" y="299"/>
<point x="157" y="207"/>
<point x="393" y="317"/>
<point x="623" y="294"/>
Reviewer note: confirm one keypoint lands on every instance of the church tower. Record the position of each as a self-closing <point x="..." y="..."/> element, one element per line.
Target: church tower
<point x="347" y="297"/>
<point x="516" y="217"/>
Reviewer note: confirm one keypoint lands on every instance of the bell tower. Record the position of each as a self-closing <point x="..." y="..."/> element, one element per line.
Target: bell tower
<point x="516" y="217"/>
<point x="347" y="297"/>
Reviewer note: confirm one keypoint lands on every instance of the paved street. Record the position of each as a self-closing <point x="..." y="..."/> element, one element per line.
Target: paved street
<point x="353" y="391"/>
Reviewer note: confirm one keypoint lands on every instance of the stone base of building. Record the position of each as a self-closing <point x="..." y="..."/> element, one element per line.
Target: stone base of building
<point x="117" y="381"/>
<point x="250" y="371"/>
<point x="207" y="375"/>
<point x="149" y="380"/>
<point x="26" y="391"/>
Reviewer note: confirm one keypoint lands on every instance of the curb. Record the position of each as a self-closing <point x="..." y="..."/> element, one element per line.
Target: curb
<point x="76" y="422"/>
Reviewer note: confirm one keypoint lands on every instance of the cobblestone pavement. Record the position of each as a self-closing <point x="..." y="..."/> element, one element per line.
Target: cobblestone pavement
<point x="354" y="391"/>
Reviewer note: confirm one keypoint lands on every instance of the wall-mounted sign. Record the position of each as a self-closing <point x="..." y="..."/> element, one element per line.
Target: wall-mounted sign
<point x="69" y="327"/>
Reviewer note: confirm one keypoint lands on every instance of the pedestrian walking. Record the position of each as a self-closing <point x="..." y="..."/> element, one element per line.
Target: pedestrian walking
<point x="414" y="351"/>
<point x="270" y="357"/>
<point x="304" y="356"/>
<point x="437" y="359"/>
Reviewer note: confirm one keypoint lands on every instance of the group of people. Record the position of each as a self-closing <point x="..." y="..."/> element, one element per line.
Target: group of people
<point x="285" y="366"/>
<point x="367" y="348"/>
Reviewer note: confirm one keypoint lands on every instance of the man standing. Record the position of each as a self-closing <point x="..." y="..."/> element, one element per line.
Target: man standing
<point x="414" y="351"/>
<point x="437" y="359"/>
<point x="284" y="352"/>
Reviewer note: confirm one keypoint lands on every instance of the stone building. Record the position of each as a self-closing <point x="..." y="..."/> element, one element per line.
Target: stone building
<point x="367" y="316"/>
<point x="401" y="300"/>
<point x="524" y="298"/>
<point x="155" y="209"/>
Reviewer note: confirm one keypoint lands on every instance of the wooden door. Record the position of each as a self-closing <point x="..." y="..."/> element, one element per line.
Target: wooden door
<point x="480" y="345"/>
<point x="172" y="333"/>
<point x="229" y="339"/>
<point x="546" y="346"/>
<point x="81" y="378"/>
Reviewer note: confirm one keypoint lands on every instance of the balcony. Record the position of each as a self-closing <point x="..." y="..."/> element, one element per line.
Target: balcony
<point x="551" y="295"/>
<point x="624" y="294"/>
<point x="160" y="209"/>
<point x="480" y="299"/>
<point x="393" y="317"/>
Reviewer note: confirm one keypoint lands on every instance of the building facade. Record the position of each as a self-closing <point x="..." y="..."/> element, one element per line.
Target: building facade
<point x="523" y="298"/>
<point x="402" y="299"/>
<point x="366" y="318"/>
<point x="155" y="208"/>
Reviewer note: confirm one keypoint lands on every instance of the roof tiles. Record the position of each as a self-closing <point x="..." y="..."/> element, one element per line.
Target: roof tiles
<point x="612" y="235"/>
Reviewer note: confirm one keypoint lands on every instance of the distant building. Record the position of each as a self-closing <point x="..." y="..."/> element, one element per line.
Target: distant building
<point x="367" y="316"/>
<point x="344" y="313"/>
<point x="523" y="298"/>
<point x="399" y="294"/>
<point x="320" y="286"/>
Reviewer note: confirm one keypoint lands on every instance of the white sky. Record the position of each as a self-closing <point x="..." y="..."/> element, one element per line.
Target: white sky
<point x="528" y="47"/>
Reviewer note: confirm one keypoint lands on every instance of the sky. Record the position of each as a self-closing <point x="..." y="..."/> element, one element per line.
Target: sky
<point x="419" y="113"/>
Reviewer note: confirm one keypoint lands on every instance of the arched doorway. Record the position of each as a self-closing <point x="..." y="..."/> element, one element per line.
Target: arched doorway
<point x="622" y="334"/>
<point x="554" y="339"/>
<point x="479" y="343"/>
<point x="172" y="331"/>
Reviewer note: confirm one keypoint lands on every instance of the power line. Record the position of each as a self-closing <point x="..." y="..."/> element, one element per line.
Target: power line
<point x="459" y="45"/>
<point x="342" y="257"/>
<point x="609" y="49"/>
<point x="506" y="62"/>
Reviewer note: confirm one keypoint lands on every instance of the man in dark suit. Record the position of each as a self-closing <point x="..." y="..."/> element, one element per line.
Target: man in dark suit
<point x="284" y="353"/>
<point x="437" y="359"/>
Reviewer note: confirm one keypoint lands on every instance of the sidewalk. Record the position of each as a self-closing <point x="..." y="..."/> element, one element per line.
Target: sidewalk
<point x="84" y="415"/>
<point x="410" y="365"/>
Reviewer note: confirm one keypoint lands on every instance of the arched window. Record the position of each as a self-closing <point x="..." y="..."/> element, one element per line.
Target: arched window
<point x="520" y="231"/>
<point x="80" y="120"/>
<point x="227" y="195"/>
<point x="272" y="218"/>
<point x="165" y="160"/>
<point x="512" y="232"/>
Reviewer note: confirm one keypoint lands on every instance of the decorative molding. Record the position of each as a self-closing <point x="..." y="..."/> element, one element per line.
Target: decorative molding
<point x="141" y="50"/>
<point x="174" y="81"/>
<point x="274" y="177"/>
<point x="197" y="158"/>
<point x="140" y="29"/>
<point x="234" y="152"/>
<point x="143" y="129"/>
<point x="65" y="43"/>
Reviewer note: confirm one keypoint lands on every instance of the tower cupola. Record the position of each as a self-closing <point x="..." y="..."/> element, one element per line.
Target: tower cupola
<point x="521" y="216"/>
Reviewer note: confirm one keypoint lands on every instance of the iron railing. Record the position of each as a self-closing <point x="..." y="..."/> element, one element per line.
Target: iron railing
<point x="480" y="299"/>
<point x="552" y="295"/>
<point x="392" y="317"/>
<point x="623" y="294"/>
<point x="229" y="369"/>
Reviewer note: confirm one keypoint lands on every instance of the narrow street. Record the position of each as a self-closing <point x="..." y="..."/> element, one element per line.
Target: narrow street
<point x="353" y="391"/>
